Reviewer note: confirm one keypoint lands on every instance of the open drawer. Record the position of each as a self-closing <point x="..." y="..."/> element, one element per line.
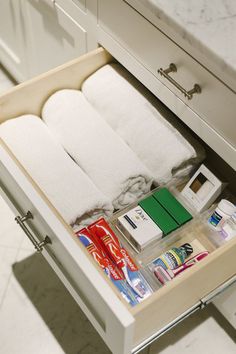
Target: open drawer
<point x="124" y="329"/>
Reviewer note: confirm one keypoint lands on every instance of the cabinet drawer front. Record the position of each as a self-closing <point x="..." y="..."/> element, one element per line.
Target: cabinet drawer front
<point x="81" y="4"/>
<point x="83" y="13"/>
<point x="56" y="33"/>
<point x="215" y="104"/>
<point x="12" y="39"/>
<point x="121" y="327"/>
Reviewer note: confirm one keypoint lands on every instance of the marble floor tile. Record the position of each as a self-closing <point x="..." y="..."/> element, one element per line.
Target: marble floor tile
<point x="205" y="332"/>
<point x="22" y="329"/>
<point x="26" y="244"/>
<point x="7" y="258"/>
<point x="38" y="307"/>
<point x="10" y="233"/>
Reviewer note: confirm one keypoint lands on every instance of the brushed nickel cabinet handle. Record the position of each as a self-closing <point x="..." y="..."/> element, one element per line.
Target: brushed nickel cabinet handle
<point x="173" y="69"/>
<point x="38" y="245"/>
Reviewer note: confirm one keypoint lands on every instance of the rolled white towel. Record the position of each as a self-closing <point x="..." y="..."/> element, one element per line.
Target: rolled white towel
<point x="93" y="144"/>
<point x="64" y="183"/>
<point x="127" y="106"/>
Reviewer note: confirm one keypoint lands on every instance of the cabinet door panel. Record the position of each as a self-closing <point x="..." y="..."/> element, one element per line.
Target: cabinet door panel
<point x="12" y="40"/>
<point x="54" y="36"/>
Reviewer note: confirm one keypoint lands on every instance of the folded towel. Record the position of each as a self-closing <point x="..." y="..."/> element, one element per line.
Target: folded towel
<point x="93" y="144"/>
<point x="67" y="187"/>
<point x="128" y="108"/>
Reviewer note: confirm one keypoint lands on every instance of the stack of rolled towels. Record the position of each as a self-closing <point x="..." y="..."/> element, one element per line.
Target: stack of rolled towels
<point x="98" y="149"/>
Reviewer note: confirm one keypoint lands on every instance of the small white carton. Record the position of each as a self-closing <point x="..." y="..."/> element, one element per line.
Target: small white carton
<point x="202" y="189"/>
<point x="138" y="228"/>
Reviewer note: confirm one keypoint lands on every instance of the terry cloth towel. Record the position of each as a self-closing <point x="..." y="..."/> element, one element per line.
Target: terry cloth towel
<point x="127" y="106"/>
<point x="93" y="144"/>
<point x="64" y="183"/>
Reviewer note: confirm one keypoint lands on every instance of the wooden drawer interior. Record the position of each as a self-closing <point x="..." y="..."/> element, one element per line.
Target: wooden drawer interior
<point x="178" y="295"/>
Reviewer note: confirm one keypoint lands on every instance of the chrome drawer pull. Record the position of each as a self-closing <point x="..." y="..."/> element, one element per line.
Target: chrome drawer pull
<point x="173" y="69"/>
<point x="38" y="245"/>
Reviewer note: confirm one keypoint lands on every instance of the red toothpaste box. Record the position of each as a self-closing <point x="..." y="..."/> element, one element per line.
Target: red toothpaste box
<point x="108" y="240"/>
<point x="105" y="263"/>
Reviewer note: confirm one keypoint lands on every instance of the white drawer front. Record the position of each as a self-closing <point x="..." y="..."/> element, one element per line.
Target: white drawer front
<point x="56" y="32"/>
<point x="100" y="304"/>
<point x="81" y="4"/>
<point x="216" y="103"/>
<point x="12" y="39"/>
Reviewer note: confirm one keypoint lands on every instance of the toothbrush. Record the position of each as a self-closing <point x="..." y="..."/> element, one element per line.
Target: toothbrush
<point x="165" y="275"/>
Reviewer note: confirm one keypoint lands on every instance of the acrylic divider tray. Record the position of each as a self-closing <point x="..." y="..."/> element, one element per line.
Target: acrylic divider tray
<point x="151" y="219"/>
<point x="214" y="235"/>
<point x="195" y="232"/>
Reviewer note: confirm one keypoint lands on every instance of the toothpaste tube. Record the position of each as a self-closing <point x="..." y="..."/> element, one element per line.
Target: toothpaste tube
<point x="164" y="274"/>
<point x="105" y="263"/>
<point x="119" y="255"/>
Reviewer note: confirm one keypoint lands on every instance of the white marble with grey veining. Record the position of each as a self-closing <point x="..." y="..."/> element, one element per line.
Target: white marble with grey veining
<point x="208" y="25"/>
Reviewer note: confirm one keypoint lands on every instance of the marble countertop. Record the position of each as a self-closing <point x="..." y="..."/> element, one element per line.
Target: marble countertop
<point x="207" y="25"/>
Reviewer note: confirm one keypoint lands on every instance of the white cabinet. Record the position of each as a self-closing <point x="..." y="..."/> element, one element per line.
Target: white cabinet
<point x="84" y="13"/>
<point x="54" y="36"/>
<point x="13" y="45"/>
<point x="37" y="35"/>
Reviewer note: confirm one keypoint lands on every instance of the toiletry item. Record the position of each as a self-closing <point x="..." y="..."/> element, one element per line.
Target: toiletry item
<point x="165" y="275"/>
<point x="174" y="257"/>
<point x="202" y="189"/>
<point x="119" y="255"/>
<point x="172" y="206"/>
<point x="138" y="228"/>
<point x="158" y="214"/>
<point x="228" y="230"/>
<point x="223" y="212"/>
<point x="105" y="263"/>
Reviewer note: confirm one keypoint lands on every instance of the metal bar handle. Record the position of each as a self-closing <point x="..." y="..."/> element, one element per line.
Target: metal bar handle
<point x="38" y="245"/>
<point x="173" y="69"/>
